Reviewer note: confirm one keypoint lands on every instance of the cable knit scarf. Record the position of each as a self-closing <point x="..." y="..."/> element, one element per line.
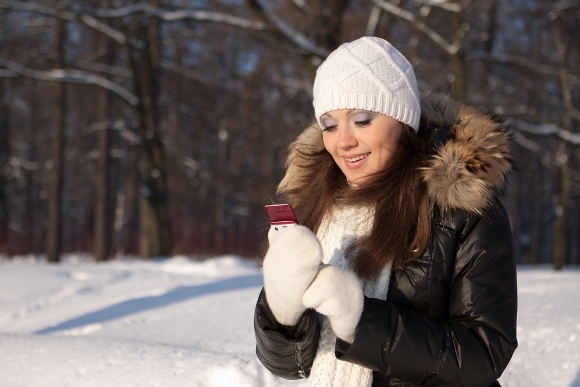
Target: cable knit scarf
<point x="338" y="229"/>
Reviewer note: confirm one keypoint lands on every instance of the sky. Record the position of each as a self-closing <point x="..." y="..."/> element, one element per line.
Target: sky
<point x="180" y="322"/>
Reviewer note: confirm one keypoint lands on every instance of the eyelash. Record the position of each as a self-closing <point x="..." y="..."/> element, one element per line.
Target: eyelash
<point x="360" y="124"/>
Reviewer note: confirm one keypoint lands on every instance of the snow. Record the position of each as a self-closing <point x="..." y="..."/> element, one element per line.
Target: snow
<point x="180" y="322"/>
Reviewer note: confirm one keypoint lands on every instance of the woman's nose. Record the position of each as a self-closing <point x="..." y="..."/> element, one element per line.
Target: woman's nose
<point x="346" y="140"/>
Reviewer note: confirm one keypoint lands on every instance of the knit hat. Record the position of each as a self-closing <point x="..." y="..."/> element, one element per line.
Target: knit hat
<point x="368" y="74"/>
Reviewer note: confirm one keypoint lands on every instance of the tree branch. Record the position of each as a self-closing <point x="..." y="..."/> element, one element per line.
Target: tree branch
<point x="451" y="49"/>
<point x="303" y="5"/>
<point x="15" y="70"/>
<point x="88" y="20"/>
<point x="522" y="61"/>
<point x="107" y="30"/>
<point x="560" y="7"/>
<point x="121" y="127"/>
<point x="182" y="14"/>
<point x="294" y="36"/>
<point x="373" y="21"/>
<point x="118" y="36"/>
<point x="102" y="68"/>
<point x="525" y="62"/>
<point x="38" y="8"/>
<point x="189" y="73"/>
<point x="547" y="130"/>
<point x="546" y="158"/>
<point x="444" y="4"/>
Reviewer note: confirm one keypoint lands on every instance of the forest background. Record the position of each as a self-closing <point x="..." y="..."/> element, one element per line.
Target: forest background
<point x="160" y="127"/>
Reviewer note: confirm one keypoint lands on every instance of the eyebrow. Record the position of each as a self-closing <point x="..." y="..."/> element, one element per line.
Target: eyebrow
<point x="349" y="112"/>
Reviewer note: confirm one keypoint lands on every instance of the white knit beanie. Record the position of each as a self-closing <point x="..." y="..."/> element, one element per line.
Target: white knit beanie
<point x="368" y="74"/>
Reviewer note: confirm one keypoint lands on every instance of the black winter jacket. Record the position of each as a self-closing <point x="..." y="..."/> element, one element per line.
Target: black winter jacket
<point x="450" y="316"/>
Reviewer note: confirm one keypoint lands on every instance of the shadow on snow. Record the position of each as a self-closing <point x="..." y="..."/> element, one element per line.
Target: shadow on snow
<point x="576" y="382"/>
<point x="151" y="302"/>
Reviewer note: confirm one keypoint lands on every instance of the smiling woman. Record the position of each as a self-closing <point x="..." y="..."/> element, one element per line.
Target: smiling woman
<point x="402" y="272"/>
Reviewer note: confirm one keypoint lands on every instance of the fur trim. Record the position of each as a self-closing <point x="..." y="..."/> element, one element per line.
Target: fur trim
<point x="470" y="169"/>
<point x="309" y="140"/>
<point x="465" y="172"/>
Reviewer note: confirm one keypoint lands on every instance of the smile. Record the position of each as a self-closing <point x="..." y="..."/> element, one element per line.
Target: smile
<point x="357" y="158"/>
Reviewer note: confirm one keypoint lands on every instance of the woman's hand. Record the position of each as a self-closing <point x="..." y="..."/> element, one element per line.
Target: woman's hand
<point x="338" y="294"/>
<point x="290" y="266"/>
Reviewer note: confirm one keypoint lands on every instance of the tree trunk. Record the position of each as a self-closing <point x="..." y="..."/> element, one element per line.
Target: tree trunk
<point x="489" y="46"/>
<point x="457" y="61"/>
<point x="328" y="22"/>
<point x="4" y="154"/>
<point x="131" y="199"/>
<point x="34" y="234"/>
<point x="102" y="237"/>
<point x="222" y="190"/>
<point x="560" y="240"/>
<point x="154" y="234"/>
<point x="55" y="179"/>
<point x="562" y="208"/>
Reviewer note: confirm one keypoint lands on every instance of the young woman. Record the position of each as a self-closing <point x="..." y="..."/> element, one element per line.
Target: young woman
<point x="402" y="272"/>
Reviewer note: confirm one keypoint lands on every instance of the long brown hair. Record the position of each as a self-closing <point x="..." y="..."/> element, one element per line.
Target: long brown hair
<point x="402" y="220"/>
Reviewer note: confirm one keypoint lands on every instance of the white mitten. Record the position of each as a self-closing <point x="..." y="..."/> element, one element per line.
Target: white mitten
<point x="290" y="265"/>
<point x="338" y="294"/>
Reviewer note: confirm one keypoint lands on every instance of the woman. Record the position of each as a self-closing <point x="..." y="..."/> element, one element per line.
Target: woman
<point x="402" y="272"/>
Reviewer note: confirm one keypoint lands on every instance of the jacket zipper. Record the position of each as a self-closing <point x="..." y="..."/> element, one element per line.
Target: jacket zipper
<point x="298" y="357"/>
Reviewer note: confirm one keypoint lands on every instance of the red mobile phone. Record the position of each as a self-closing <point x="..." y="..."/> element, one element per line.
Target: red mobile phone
<point x="282" y="217"/>
<point x="281" y="214"/>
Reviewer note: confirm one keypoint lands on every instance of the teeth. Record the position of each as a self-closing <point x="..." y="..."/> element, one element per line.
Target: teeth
<point x="357" y="158"/>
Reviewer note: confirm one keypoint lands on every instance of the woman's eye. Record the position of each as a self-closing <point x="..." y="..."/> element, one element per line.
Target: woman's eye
<point x="330" y="128"/>
<point x="363" y="123"/>
<point x="328" y="124"/>
<point x="363" y="119"/>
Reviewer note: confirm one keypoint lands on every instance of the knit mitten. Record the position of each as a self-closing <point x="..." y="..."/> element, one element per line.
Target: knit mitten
<point x="338" y="294"/>
<point x="290" y="265"/>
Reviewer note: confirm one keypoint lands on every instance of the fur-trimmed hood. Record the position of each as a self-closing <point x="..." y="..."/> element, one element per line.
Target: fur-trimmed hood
<point x="469" y="164"/>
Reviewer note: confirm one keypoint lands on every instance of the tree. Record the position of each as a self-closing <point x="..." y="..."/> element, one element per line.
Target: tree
<point x="102" y="240"/>
<point x="53" y="243"/>
<point x="4" y="155"/>
<point x="563" y="35"/>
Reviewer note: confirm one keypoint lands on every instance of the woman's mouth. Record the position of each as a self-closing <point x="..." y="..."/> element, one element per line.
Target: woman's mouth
<point x="356" y="161"/>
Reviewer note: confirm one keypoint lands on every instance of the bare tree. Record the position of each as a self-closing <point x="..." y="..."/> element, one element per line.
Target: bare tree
<point x="144" y="63"/>
<point x="53" y="243"/>
<point x="562" y="158"/>
<point x="4" y="155"/>
<point x="102" y="240"/>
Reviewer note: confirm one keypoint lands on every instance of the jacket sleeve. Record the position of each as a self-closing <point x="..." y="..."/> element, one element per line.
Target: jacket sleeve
<point x="473" y="346"/>
<point x="287" y="352"/>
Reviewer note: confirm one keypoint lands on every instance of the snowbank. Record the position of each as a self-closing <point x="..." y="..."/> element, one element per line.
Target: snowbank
<point x="178" y="322"/>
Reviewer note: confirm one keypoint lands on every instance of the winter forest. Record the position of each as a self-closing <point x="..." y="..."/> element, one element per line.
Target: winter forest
<point x="160" y="127"/>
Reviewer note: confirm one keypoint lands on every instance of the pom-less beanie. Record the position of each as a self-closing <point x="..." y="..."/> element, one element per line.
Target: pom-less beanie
<point x="368" y="74"/>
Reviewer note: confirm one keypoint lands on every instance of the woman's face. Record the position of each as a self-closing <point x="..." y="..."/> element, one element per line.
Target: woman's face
<point x="361" y="142"/>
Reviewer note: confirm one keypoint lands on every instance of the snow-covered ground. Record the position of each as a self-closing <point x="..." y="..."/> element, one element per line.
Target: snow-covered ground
<point x="178" y="322"/>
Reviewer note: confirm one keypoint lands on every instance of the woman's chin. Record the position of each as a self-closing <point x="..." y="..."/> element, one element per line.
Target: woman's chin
<point x="356" y="180"/>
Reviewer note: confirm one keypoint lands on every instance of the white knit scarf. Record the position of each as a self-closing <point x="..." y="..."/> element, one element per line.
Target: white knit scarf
<point x="338" y="229"/>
